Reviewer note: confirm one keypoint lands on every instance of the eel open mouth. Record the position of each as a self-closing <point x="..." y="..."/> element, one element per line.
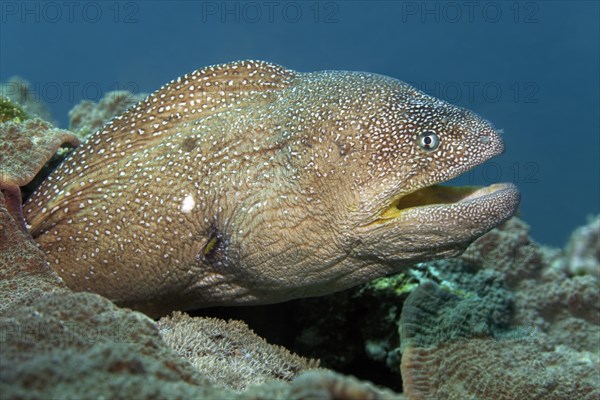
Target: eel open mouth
<point x="440" y="195"/>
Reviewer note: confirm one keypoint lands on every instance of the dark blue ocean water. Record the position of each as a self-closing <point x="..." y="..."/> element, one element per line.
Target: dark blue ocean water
<point x="530" y="67"/>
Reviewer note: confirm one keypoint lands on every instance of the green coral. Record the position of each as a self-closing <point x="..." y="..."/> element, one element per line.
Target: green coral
<point x="10" y="111"/>
<point x="398" y="284"/>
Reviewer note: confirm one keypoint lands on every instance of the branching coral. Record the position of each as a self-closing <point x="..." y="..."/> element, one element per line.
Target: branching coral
<point x="229" y="353"/>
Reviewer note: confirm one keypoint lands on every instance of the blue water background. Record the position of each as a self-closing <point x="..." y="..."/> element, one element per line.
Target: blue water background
<point x="532" y="68"/>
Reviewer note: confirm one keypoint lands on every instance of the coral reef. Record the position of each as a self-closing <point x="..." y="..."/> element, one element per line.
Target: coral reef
<point x="541" y="343"/>
<point x="582" y="254"/>
<point x="67" y="345"/>
<point x="24" y="149"/>
<point x="10" y="111"/>
<point x="24" y="272"/>
<point x="19" y="91"/>
<point x="547" y="296"/>
<point x="456" y="355"/>
<point x="59" y="344"/>
<point x="509" y="249"/>
<point x="229" y="354"/>
<point x="512" y="292"/>
<point x="509" y="319"/>
<point x="87" y="117"/>
<point x="329" y="385"/>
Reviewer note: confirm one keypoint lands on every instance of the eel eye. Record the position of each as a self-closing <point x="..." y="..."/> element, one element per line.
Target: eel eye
<point x="428" y="141"/>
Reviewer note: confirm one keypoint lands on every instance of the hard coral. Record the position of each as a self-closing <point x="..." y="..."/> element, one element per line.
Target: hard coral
<point x="510" y="250"/>
<point x="229" y="354"/>
<point x="24" y="149"/>
<point x="24" y="272"/>
<point x="67" y="345"/>
<point x="449" y="358"/>
<point x="548" y="297"/>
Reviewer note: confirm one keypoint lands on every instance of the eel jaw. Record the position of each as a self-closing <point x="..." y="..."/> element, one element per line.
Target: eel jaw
<point x="498" y="201"/>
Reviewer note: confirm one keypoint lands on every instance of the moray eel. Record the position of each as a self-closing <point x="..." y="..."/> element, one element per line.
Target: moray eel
<point x="249" y="183"/>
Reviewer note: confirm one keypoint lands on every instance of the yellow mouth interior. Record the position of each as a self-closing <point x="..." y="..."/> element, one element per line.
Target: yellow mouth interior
<point x="429" y="195"/>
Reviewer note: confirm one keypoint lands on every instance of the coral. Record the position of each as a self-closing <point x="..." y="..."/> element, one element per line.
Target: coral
<point x="19" y="91"/>
<point x="67" y="345"/>
<point x="80" y="345"/>
<point x="505" y="295"/>
<point x="510" y="250"/>
<point x="448" y="356"/>
<point x="328" y="385"/>
<point x="562" y="308"/>
<point x="24" y="149"/>
<point x="499" y="370"/>
<point x="229" y="354"/>
<point x="547" y="296"/>
<point x="582" y="254"/>
<point x="24" y="272"/>
<point x="87" y="117"/>
<point x="558" y="313"/>
<point x="484" y="309"/>
<point x="512" y="320"/>
<point x="10" y="111"/>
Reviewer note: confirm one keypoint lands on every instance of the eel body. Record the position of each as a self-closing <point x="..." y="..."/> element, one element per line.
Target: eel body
<point x="248" y="183"/>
